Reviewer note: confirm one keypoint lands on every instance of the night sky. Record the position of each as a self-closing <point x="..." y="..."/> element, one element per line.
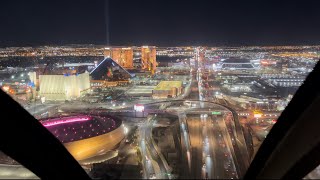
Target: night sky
<point x="160" y="22"/>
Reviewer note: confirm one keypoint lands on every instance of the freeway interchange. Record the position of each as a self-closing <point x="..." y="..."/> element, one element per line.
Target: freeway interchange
<point x="208" y="142"/>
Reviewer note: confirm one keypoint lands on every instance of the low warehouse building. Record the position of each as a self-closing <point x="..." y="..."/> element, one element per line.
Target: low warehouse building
<point x="167" y="89"/>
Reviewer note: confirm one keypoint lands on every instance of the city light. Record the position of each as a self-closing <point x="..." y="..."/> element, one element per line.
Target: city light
<point x="126" y="130"/>
<point x="43" y="99"/>
<point x="139" y="107"/>
<point x="5" y="88"/>
<point x="28" y="90"/>
<point x="257" y="115"/>
<point x="216" y="113"/>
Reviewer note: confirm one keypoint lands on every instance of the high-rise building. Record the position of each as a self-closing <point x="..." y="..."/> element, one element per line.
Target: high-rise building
<point x="148" y="58"/>
<point x="107" y="52"/>
<point x="123" y="56"/>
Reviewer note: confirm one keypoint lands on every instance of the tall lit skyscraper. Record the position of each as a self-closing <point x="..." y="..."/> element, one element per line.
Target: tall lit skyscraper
<point x="148" y="58"/>
<point x="123" y="56"/>
<point x="107" y="52"/>
<point x="127" y="57"/>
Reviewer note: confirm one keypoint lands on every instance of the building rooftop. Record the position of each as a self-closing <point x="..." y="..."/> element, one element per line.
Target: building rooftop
<point x="236" y="60"/>
<point x="168" y="85"/>
<point x="75" y="65"/>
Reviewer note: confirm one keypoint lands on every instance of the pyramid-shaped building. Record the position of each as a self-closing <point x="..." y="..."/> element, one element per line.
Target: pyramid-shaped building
<point x="110" y="70"/>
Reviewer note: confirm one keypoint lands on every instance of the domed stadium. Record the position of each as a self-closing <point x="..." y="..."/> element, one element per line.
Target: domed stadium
<point x="86" y="136"/>
<point x="89" y="138"/>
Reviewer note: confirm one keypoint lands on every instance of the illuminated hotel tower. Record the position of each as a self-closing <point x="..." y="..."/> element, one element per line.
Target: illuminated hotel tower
<point x="148" y="58"/>
<point x="123" y="56"/>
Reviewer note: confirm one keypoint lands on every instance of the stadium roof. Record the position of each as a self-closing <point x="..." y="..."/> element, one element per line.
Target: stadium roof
<point x="74" y="128"/>
<point x="168" y="85"/>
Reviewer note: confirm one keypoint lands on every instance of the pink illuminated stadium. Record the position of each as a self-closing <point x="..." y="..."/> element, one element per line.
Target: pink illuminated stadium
<point x="74" y="128"/>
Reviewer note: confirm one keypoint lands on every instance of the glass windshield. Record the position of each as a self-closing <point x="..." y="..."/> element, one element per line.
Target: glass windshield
<point x="191" y="108"/>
